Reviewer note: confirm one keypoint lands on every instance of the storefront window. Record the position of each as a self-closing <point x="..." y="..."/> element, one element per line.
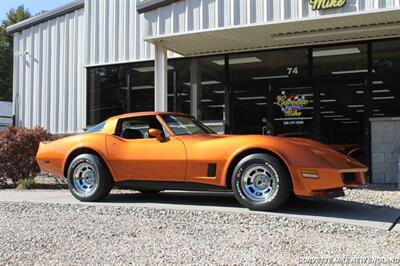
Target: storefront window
<point x="142" y="90"/>
<point x="200" y="89"/>
<point x="255" y="79"/>
<point x="108" y="90"/>
<point x="386" y="78"/>
<point x="269" y="65"/>
<point x="340" y="73"/>
<point x="106" y="93"/>
<point x="342" y="110"/>
<point x="341" y="60"/>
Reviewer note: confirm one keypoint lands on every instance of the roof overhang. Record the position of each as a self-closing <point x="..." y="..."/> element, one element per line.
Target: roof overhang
<point x="310" y="31"/>
<point x="70" y="7"/>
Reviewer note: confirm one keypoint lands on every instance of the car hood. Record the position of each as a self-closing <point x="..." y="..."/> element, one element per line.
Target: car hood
<point x="302" y="150"/>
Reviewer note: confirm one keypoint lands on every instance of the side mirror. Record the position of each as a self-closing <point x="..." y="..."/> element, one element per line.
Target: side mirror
<point x="158" y="134"/>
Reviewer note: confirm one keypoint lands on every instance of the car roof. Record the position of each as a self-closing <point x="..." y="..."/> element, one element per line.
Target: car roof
<point x="111" y="123"/>
<point x="127" y="115"/>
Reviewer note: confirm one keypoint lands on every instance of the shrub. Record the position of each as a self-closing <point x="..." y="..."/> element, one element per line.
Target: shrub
<point x="18" y="147"/>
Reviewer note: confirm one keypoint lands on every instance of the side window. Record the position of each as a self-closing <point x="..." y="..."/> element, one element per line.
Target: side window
<point x="133" y="129"/>
<point x="138" y="127"/>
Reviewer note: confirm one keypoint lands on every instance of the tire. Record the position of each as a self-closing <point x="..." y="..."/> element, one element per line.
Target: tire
<point x="261" y="182"/>
<point x="150" y="191"/>
<point x="98" y="182"/>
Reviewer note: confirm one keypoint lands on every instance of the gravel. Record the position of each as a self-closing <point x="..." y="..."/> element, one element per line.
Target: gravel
<point x="53" y="234"/>
<point x="377" y="195"/>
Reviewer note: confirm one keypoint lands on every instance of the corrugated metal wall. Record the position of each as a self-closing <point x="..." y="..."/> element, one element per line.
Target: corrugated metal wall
<point x="115" y="32"/>
<point x="196" y="15"/>
<point x="49" y="78"/>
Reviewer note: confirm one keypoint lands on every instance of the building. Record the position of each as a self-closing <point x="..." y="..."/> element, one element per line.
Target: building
<point x="329" y="70"/>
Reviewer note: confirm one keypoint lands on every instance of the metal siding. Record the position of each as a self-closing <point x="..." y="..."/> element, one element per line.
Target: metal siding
<point x="46" y="85"/>
<point x="209" y="9"/>
<point x="179" y="15"/>
<point x="115" y="31"/>
<point x="239" y="13"/>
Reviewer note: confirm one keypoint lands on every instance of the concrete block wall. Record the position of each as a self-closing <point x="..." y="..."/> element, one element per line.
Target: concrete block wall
<point x="385" y="140"/>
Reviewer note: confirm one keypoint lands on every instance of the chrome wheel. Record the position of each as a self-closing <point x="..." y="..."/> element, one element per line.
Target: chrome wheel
<point x="260" y="182"/>
<point x="85" y="178"/>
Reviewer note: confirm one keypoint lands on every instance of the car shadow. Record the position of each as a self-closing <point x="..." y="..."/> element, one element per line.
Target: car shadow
<point x="328" y="209"/>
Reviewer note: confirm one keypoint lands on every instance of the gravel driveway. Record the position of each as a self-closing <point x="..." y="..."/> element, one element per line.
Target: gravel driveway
<point x="35" y="233"/>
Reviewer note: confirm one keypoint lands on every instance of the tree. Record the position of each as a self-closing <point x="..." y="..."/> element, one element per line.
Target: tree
<point x="6" y="51"/>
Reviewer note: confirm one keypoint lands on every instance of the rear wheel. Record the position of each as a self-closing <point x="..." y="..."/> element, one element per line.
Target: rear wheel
<point x="261" y="182"/>
<point x="88" y="178"/>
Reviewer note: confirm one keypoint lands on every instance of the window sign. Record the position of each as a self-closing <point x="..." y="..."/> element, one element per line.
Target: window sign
<point x="292" y="108"/>
<point x="292" y="105"/>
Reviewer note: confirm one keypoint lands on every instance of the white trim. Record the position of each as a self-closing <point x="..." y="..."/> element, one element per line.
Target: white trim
<point x="57" y="12"/>
<point x="126" y="62"/>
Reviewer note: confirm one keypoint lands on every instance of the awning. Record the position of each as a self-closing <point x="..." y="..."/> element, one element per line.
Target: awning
<point x="311" y="31"/>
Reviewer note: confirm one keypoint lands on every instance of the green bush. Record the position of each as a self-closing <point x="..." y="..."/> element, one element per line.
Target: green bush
<point x="18" y="147"/>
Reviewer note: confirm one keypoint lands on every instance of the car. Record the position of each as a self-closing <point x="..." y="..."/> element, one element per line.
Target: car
<point x="156" y="151"/>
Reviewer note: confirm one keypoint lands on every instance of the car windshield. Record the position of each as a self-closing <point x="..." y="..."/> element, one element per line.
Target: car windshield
<point x="186" y="125"/>
<point x="96" y="128"/>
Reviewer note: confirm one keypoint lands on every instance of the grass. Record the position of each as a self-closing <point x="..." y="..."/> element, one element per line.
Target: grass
<point x="26" y="183"/>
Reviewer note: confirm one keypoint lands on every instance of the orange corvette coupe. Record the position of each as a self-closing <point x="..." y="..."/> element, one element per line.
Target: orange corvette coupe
<point x="154" y="151"/>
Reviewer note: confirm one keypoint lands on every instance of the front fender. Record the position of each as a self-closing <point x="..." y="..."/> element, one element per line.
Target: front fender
<point x="302" y="155"/>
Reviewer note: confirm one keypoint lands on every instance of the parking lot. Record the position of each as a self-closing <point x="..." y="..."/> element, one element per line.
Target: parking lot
<point x="51" y="227"/>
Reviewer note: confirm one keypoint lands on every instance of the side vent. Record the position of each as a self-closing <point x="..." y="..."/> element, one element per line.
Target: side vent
<point x="212" y="169"/>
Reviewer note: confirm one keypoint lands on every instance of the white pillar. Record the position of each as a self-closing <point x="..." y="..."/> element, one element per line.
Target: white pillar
<point x="160" y="78"/>
<point x="194" y="85"/>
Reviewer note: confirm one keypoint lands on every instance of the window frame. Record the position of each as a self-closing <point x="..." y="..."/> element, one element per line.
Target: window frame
<point x="118" y="127"/>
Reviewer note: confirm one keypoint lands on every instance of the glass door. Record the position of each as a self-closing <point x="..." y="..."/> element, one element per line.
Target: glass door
<point x="292" y="109"/>
<point x="249" y="107"/>
<point x="250" y="76"/>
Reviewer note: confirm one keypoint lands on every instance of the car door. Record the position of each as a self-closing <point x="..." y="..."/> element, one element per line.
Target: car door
<point x="135" y="155"/>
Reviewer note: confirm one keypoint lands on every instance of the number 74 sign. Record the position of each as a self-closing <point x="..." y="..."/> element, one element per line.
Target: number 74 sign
<point x="292" y="70"/>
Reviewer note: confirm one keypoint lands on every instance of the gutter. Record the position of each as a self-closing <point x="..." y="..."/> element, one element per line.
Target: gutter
<point x="62" y="10"/>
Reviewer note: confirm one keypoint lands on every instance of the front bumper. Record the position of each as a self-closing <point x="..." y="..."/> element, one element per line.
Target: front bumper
<point x="329" y="182"/>
<point x="326" y="194"/>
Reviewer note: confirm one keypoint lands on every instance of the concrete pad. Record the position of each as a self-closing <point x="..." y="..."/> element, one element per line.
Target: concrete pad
<point x="337" y="211"/>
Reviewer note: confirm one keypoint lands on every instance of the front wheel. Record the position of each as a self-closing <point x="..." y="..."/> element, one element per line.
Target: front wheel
<point x="261" y="182"/>
<point x="88" y="178"/>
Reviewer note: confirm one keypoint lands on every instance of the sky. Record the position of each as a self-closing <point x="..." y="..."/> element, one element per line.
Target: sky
<point x="34" y="6"/>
